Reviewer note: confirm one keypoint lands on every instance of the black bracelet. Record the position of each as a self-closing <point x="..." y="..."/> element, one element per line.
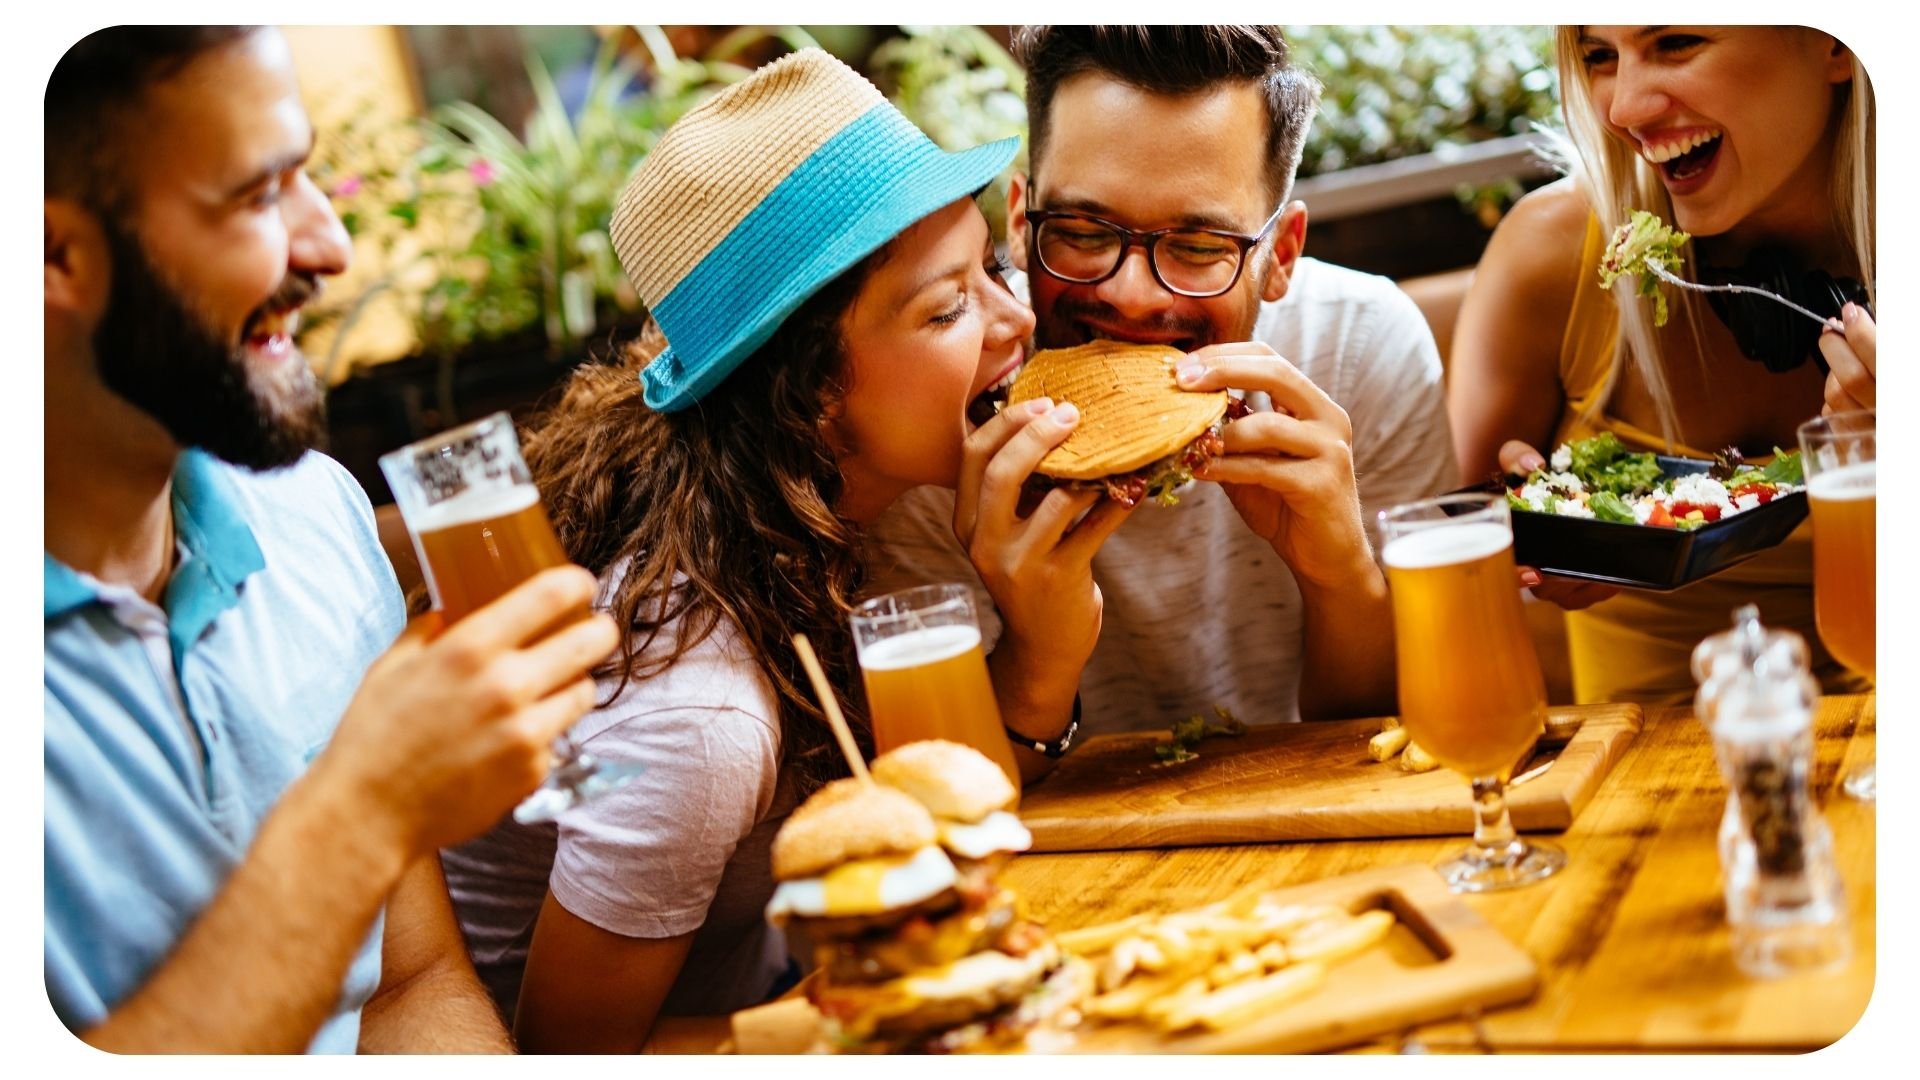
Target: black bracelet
<point x="1058" y="748"/>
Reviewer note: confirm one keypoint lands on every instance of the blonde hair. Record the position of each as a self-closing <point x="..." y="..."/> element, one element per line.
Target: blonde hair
<point x="1616" y="180"/>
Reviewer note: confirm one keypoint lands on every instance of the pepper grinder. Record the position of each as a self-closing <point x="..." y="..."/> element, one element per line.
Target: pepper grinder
<point x="1785" y="902"/>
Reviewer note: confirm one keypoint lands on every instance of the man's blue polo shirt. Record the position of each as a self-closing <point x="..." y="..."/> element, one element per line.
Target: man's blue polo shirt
<point x="170" y="733"/>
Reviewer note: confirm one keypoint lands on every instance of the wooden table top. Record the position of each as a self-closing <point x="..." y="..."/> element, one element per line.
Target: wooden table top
<point x="1631" y="939"/>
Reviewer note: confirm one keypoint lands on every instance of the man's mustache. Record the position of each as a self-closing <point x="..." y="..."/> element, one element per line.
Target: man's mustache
<point x="295" y="290"/>
<point x="1166" y="324"/>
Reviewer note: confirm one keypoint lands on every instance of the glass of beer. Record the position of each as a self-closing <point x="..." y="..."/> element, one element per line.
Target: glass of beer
<point x="479" y="530"/>
<point x="1471" y="693"/>
<point x="926" y="674"/>
<point x="1837" y="457"/>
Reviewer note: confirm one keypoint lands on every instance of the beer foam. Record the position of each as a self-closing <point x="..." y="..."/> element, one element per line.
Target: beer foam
<point x="1445" y="545"/>
<point x="916" y="647"/>
<point x="1843" y="484"/>
<point x="475" y="506"/>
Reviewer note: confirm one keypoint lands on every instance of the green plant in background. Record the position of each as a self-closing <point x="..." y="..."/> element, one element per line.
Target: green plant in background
<point x="961" y="88"/>
<point x="489" y="235"/>
<point x="1394" y="91"/>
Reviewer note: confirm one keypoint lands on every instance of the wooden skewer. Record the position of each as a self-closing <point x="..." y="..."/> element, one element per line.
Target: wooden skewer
<point x="825" y="693"/>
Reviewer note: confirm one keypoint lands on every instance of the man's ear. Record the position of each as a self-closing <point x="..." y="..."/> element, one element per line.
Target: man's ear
<point x="1289" y="240"/>
<point x="1017" y="220"/>
<point x="79" y="271"/>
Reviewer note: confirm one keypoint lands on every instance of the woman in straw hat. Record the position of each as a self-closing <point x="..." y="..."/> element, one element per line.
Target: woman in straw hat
<point x="1757" y="141"/>
<point x="829" y="303"/>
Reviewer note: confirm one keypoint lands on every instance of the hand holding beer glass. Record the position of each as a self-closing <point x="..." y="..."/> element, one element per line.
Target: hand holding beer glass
<point x="1471" y="692"/>
<point x="926" y="673"/>
<point x="479" y="530"/>
<point x="1837" y="456"/>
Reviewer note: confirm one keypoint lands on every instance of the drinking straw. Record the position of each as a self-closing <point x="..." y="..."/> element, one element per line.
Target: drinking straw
<point x="827" y="702"/>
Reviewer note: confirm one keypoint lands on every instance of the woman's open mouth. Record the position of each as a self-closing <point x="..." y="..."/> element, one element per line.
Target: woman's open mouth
<point x="1686" y="159"/>
<point x="987" y="405"/>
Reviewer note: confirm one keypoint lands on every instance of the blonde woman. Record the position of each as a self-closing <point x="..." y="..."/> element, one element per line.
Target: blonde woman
<point x="1758" y="141"/>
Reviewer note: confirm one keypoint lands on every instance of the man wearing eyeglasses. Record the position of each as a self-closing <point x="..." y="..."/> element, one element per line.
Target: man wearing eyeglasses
<point x="1156" y="210"/>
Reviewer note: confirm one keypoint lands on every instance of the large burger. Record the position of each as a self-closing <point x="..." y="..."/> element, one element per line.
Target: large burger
<point x="917" y="947"/>
<point x="1140" y="435"/>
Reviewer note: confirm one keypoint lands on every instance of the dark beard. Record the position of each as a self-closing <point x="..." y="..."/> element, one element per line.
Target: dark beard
<point x="152" y="351"/>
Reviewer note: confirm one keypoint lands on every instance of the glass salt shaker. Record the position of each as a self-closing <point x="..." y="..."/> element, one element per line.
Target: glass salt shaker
<point x="1785" y="902"/>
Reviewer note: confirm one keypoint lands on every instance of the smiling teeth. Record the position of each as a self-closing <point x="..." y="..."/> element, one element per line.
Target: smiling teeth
<point x="277" y="322"/>
<point x="1669" y="150"/>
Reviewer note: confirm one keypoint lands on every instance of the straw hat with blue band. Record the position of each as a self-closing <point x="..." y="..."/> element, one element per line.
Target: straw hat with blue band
<point x="762" y="195"/>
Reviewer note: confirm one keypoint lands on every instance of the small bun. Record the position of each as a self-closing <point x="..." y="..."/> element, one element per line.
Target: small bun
<point x="845" y="821"/>
<point x="953" y="781"/>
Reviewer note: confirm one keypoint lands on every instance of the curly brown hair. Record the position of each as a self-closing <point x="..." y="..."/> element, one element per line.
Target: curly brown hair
<point x="726" y="510"/>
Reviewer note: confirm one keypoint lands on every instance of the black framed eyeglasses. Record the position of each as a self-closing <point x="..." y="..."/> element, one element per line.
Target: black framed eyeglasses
<point x="1087" y="250"/>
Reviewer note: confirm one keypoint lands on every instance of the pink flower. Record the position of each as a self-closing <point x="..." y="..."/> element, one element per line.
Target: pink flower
<point x="482" y="171"/>
<point x="348" y="188"/>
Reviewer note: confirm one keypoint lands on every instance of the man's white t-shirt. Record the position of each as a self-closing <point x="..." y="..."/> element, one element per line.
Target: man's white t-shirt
<point x="1199" y="610"/>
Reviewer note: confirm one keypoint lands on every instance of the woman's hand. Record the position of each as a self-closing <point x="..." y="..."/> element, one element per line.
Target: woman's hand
<point x="1039" y="566"/>
<point x="1848" y="345"/>
<point x="1570" y="594"/>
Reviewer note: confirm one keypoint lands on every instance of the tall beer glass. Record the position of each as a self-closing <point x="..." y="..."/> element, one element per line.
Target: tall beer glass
<point x="479" y="530"/>
<point x="926" y="674"/>
<point x="1837" y="456"/>
<point x="1471" y="693"/>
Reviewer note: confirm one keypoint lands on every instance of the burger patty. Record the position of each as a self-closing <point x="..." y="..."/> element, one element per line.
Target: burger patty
<point x="1059" y="992"/>
<point x="920" y="943"/>
<point x="873" y="1016"/>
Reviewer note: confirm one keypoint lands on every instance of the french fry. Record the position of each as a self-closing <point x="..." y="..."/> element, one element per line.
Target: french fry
<point x="1239" y="964"/>
<point x="1416" y="759"/>
<point x="1151" y="956"/>
<point x="1284" y="922"/>
<point x="1172" y="944"/>
<point x="1243" y="1001"/>
<point x="1120" y="962"/>
<point x="1126" y="1002"/>
<point x="1272" y="956"/>
<point x="1336" y="943"/>
<point x="1385" y="745"/>
<point x="1089" y="940"/>
<point x="1157" y="1010"/>
<point x="1389" y="723"/>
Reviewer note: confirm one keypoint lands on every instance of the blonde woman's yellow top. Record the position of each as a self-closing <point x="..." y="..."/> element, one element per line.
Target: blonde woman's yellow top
<point x="1638" y="646"/>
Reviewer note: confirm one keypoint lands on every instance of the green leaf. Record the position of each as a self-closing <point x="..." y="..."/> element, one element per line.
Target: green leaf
<point x="1610" y="507"/>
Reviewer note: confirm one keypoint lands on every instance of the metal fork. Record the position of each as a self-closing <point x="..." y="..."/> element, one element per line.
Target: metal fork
<point x="1667" y="276"/>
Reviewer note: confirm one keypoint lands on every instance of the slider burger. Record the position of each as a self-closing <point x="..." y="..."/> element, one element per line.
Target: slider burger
<point x="918" y="948"/>
<point x="1139" y="435"/>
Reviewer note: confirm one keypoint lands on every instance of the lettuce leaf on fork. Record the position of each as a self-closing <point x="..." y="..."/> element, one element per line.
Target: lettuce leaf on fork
<point x="1638" y="245"/>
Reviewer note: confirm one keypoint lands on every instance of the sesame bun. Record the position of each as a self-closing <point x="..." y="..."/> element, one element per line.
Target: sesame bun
<point x="953" y="781"/>
<point x="845" y="821"/>
<point x="1132" y="413"/>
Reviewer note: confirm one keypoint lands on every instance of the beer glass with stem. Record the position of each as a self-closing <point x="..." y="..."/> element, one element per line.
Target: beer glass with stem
<point x="1471" y="693"/>
<point x="479" y="530"/>
<point x="1838" y="460"/>
<point x="926" y="674"/>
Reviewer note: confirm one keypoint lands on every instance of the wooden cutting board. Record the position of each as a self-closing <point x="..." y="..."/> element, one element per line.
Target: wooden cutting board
<point x="1440" y="961"/>
<point x="1305" y="781"/>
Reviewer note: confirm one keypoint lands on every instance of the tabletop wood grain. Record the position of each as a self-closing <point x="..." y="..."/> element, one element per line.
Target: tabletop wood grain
<point x="1631" y="938"/>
